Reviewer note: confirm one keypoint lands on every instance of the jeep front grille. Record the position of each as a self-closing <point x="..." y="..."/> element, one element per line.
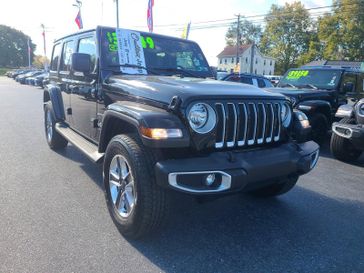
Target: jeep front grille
<point x="247" y="123"/>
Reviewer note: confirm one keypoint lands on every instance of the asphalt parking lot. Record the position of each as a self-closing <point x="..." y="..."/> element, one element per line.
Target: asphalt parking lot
<point x="53" y="217"/>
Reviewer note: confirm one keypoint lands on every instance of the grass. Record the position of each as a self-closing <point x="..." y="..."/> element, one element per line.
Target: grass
<point x="3" y="71"/>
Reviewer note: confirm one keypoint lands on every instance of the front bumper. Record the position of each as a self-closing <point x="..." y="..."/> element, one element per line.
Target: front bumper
<point x="237" y="170"/>
<point x="353" y="132"/>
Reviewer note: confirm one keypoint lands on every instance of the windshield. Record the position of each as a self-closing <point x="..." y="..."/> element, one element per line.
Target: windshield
<point x="311" y="78"/>
<point x="163" y="55"/>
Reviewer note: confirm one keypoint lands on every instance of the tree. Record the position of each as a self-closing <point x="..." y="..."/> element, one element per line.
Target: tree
<point x="342" y="32"/>
<point x="287" y="34"/>
<point x="248" y="33"/>
<point x="39" y="61"/>
<point x="14" y="47"/>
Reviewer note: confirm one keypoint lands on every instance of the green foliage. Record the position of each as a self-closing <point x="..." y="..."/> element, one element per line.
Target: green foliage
<point x="3" y="71"/>
<point x="14" y="47"/>
<point x="287" y="35"/>
<point x="342" y="32"/>
<point x="248" y="33"/>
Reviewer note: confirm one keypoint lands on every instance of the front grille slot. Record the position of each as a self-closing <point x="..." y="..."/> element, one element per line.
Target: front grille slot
<point x="247" y="124"/>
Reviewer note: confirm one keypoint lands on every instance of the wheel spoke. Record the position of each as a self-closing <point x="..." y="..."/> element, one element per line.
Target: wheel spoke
<point x="125" y="176"/>
<point x="114" y="178"/>
<point x="119" y="199"/>
<point x="128" y="202"/>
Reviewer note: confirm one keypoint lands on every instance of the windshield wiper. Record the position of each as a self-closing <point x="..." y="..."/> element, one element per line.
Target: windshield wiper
<point x="310" y="85"/>
<point x="178" y="70"/>
<point x="288" y="84"/>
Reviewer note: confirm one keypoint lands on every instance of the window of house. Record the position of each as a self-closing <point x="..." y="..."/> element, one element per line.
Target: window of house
<point x="225" y="61"/>
<point x="264" y="63"/>
<point x="65" y="64"/>
<point x="270" y="62"/>
<point x="256" y="61"/>
<point x="270" y="72"/>
<point x="220" y="61"/>
<point x="87" y="45"/>
<point x="232" y="60"/>
<point x="246" y="59"/>
<point x="263" y="72"/>
<point x="55" y="57"/>
<point x="255" y="71"/>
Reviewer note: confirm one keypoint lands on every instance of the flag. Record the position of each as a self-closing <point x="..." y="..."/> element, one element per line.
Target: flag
<point x="186" y="31"/>
<point x="78" y="20"/>
<point x="150" y="15"/>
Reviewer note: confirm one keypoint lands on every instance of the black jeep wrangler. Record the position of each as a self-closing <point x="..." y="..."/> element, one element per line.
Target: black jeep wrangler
<point x="147" y="106"/>
<point x="319" y="92"/>
<point x="347" y="140"/>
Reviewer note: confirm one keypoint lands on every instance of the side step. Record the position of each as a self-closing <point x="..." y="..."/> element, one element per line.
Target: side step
<point x="85" y="146"/>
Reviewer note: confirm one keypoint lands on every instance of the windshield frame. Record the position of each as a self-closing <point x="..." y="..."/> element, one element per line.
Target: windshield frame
<point x="283" y="84"/>
<point x="105" y="65"/>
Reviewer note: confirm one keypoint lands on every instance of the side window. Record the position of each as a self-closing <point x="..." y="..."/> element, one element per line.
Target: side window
<point x="261" y="83"/>
<point x="55" y="57"/>
<point x="247" y="80"/>
<point x="360" y="85"/>
<point x="67" y="51"/>
<point x="88" y="46"/>
<point x="268" y="83"/>
<point x="348" y="77"/>
<point x="234" y="78"/>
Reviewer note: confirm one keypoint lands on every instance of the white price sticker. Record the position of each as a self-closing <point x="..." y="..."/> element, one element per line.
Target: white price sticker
<point x="130" y="51"/>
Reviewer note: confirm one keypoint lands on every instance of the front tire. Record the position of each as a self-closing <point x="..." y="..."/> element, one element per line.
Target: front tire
<point x="319" y="128"/>
<point x="137" y="205"/>
<point x="54" y="139"/>
<point x="342" y="148"/>
<point x="278" y="188"/>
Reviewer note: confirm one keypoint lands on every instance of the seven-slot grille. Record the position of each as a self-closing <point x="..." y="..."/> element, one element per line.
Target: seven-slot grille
<point x="247" y="123"/>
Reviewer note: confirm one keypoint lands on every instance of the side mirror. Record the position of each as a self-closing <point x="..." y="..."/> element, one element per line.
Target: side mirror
<point x="348" y="87"/>
<point x="81" y="62"/>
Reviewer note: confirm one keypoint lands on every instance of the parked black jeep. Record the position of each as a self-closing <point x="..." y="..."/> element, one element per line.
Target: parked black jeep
<point x="319" y="91"/>
<point x="145" y="106"/>
<point x="347" y="140"/>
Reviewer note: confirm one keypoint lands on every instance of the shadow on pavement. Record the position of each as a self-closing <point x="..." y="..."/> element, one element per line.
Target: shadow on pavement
<point x="302" y="231"/>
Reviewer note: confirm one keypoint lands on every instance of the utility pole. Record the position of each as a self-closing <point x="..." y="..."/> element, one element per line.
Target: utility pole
<point x="44" y="47"/>
<point x="117" y="13"/>
<point x="237" y="41"/>
<point x="252" y="57"/>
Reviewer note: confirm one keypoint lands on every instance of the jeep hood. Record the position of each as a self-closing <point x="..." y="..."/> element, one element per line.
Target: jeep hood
<point x="301" y="93"/>
<point x="164" y="88"/>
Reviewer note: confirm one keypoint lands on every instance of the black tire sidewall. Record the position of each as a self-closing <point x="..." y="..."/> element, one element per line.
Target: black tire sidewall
<point x="130" y="225"/>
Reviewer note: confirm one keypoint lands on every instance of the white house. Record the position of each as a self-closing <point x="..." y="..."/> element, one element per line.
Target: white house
<point x="262" y="65"/>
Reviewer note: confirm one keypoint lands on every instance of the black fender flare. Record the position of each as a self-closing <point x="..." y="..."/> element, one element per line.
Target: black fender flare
<point x="137" y="116"/>
<point x="53" y="93"/>
<point x="311" y="107"/>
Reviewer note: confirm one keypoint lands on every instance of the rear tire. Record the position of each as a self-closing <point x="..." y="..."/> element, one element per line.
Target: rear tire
<point x="281" y="187"/>
<point x="342" y="148"/>
<point x="319" y="128"/>
<point x="137" y="205"/>
<point x="54" y="139"/>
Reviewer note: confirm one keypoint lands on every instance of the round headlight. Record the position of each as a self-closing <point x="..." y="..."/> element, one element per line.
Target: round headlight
<point x="202" y="118"/>
<point x="286" y="115"/>
<point x="361" y="109"/>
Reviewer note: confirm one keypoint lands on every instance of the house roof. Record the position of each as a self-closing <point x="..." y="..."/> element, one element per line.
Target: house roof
<point x="231" y="50"/>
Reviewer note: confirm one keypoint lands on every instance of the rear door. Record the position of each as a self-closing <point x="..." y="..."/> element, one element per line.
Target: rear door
<point x="83" y="90"/>
<point x="351" y="96"/>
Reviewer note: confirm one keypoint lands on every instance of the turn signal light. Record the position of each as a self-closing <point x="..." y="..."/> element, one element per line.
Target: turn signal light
<point x="161" y="133"/>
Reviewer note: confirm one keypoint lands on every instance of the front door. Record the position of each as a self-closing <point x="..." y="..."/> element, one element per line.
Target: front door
<point x="83" y="88"/>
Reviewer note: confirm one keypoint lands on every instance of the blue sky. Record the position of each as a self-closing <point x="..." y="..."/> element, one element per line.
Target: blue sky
<point x="58" y="16"/>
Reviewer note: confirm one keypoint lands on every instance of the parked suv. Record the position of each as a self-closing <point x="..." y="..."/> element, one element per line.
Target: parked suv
<point x="347" y="140"/>
<point x="145" y="106"/>
<point x="319" y="91"/>
<point x="252" y="79"/>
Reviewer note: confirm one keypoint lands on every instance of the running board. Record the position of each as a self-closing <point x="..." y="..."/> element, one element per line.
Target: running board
<point x="85" y="146"/>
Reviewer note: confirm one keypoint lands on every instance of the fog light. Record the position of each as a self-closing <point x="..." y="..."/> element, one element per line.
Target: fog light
<point x="210" y="179"/>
